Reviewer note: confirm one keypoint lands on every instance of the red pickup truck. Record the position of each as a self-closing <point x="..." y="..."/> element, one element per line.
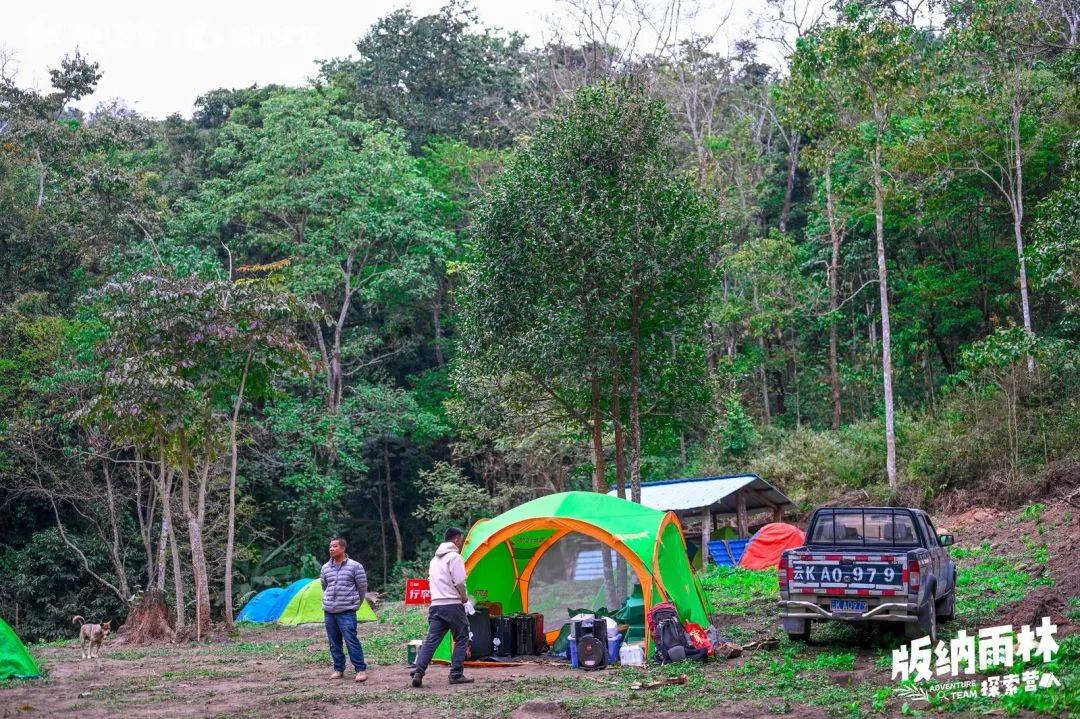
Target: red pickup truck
<point x="859" y="564"/>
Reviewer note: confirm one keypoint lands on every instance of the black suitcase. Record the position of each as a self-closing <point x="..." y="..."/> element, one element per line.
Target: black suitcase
<point x="525" y="634"/>
<point x="480" y="644"/>
<point x="502" y="636"/>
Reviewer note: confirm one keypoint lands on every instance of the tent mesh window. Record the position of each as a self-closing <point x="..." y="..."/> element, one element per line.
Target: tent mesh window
<point x="573" y="574"/>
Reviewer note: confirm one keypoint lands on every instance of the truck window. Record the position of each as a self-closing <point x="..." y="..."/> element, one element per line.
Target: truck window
<point x="864" y="527"/>
<point x="932" y="537"/>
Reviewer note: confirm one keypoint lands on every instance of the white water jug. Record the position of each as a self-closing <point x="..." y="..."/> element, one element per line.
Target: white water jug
<point x="631" y="655"/>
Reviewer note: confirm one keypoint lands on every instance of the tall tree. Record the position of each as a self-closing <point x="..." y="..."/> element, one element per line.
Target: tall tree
<point x="868" y="61"/>
<point x="436" y="75"/>
<point x="591" y="251"/>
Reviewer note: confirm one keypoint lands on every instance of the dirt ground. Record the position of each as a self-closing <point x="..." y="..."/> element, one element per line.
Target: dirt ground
<point x="217" y="681"/>
<point x="283" y="672"/>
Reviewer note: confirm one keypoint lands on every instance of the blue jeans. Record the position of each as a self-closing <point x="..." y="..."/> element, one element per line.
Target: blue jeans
<point x="343" y="626"/>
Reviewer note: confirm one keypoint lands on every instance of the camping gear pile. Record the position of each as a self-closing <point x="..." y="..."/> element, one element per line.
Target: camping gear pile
<point x="509" y="635"/>
<point x="502" y="553"/>
<point x="298" y="603"/>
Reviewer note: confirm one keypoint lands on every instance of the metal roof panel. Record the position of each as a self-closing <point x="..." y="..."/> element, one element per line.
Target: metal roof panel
<point x="681" y="495"/>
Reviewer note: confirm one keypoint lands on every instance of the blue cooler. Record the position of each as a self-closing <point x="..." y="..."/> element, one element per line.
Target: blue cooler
<point x="613" y="649"/>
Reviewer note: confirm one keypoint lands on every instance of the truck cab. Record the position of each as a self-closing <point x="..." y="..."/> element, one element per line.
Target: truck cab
<point x="860" y="564"/>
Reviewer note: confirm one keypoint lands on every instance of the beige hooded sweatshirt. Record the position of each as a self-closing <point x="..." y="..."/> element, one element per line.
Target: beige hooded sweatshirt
<point x="446" y="571"/>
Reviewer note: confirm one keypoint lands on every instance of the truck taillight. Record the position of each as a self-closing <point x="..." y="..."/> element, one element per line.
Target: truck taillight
<point x="782" y="570"/>
<point x="914" y="572"/>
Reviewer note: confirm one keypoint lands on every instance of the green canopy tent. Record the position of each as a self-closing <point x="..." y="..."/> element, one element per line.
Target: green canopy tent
<point x="501" y="554"/>
<point x="15" y="660"/>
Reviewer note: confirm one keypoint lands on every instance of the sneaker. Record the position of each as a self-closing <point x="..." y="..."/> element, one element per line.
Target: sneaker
<point x="461" y="680"/>
<point x="417" y="680"/>
<point x="361" y="676"/>
<point x="337" y="675"/>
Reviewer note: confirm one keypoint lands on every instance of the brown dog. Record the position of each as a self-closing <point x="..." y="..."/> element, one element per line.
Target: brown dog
<point x="91" y="636"/>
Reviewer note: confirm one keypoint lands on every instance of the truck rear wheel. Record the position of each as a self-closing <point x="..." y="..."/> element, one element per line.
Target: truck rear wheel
<point x="927" y="624"/>
<point x="946" y="606"/>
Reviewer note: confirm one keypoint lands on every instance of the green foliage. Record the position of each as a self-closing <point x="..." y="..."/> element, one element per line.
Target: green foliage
<point x="453" y="501"/>
<point x="49" y="586"/>
<point x="1056" y="242"/>
<point x="732" y="590"/>
<point x="435" y="75"/>
<point x="738" y="432"/>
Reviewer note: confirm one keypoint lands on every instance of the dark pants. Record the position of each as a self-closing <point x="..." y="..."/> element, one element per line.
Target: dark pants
<point x="343" y="626"/>
<point x="443" y="619"/>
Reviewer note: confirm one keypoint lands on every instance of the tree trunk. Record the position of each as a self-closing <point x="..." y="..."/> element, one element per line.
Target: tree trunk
<point x="834" y="300"/>
<point x="399" y="546"/>
<point x="382" y="536"/>
<point x="230" y="541"/>
<point x="178" y="577"/>
<point x="195" y="542"/>
<point x="198" y="570"/>
<point x="706" y="536"/>
<point x="789" y="187"/>
<point x="599" y="477"/>
<point x="597" y="429"/>
<point x="1018" y="221"/>
<point x="436" y="320"/>
<point x="620" y="454"/>
<point x="114" y="539"/>
<point x="165" y="495"/>
<point x="767" y="413"/>
<point x="886" y="333"/>
<point x="635" y="397"/>
<point x="620" y="476"/>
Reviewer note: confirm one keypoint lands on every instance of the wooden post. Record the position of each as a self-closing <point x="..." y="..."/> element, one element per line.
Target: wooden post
<point x="778" y="513"/>
<point x="706" y="535"/>
<point x="741" y="521"/>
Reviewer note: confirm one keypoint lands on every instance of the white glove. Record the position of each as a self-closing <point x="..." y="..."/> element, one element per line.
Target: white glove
<point x="469" y="608"/>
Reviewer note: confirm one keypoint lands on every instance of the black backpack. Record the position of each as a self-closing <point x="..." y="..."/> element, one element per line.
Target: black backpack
<point x="669" y="636"/>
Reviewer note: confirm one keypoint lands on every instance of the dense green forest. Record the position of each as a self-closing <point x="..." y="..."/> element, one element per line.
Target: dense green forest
<point x="458" y="270"/>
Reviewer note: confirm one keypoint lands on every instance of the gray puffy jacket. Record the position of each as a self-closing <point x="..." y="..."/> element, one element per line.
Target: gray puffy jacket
<point x="344" y="586"/>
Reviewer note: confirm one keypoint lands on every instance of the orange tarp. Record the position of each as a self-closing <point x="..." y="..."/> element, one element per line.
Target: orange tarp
<point x="764" y="550"/>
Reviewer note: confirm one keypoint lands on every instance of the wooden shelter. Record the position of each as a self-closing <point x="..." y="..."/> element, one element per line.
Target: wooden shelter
<point x="709" y="502"/>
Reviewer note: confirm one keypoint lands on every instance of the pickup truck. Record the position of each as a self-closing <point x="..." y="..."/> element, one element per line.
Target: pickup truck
<point x="868" y="564"/>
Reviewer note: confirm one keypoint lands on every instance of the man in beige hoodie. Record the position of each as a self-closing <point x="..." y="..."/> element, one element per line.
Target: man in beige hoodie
<point x="446" y="579"/>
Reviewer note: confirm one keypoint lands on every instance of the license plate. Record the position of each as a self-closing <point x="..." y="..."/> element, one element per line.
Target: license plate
<point x="848" y="606"/>
<point x="867" y="574"/>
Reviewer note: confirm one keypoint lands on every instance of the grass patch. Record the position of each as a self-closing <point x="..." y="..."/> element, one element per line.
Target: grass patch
<point x="740" y="591"/>
<point x="1032" y="513"/>
<point x="200" y="673"/>
<point x="985" y="582"/>
<point x="397" y="625"/>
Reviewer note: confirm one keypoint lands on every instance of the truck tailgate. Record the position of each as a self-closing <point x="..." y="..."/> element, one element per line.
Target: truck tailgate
<point x="847" y="573"/>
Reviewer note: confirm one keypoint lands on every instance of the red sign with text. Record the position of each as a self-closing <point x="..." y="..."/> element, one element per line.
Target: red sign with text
<point x="417" y="591"/>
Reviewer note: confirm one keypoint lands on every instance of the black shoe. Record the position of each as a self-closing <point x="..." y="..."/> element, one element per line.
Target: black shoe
<point x="461" y="680"/>
<point x="417" y="680"/>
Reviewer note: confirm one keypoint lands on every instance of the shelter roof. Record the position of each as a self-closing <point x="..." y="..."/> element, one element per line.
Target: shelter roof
<point x="718" y="493"/>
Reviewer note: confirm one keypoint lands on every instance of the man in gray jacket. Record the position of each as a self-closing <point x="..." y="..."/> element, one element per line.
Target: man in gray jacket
<point x="344" y="584"/>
